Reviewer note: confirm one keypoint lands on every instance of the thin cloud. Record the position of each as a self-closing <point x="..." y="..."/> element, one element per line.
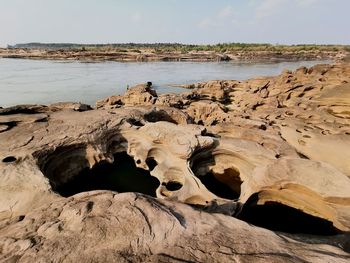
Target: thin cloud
<point x="268" y="8"/>
<point x="307" y="3"/>
<point x="227" y="12"/>
<point x="220" y="19"/>
<point x="207" y="23"/>
<point x="136" y="17"/>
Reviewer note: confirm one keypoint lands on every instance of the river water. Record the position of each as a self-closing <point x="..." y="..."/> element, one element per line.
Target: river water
<point x="25" y="81"/>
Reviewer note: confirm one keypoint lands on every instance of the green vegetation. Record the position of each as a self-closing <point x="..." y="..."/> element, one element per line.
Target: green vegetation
<point x="185" y="48"/>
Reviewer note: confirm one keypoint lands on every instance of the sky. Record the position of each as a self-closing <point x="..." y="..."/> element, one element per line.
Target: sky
<point x="181" y="21"/>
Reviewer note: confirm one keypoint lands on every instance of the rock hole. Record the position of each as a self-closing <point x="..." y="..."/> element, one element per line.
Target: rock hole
<point x="21" y="218"/>
<point x="278" y="217"/>
<point x="226" y="185"/>
<point x="222" y="185"/>
<point x="120" y="176"/>
<point x="89" y="206"/>
<point x="173" y="185"/>
<point x="159" y="115"/>
<point x="9" y="159"/>
<point x="263" y="127"/>
<point x="151" y="163"/>
<point x="214" y="123"/>
<point x="135" y="122"/>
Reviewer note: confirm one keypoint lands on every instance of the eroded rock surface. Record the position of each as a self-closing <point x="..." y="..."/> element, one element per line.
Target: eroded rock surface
<point x="271" y="151"/>
<point x="109" y="227"/>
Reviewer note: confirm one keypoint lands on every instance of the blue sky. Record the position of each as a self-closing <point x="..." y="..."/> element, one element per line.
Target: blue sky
<point x="185" y="21"/>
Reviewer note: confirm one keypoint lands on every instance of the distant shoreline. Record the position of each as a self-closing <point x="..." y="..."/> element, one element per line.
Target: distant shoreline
<point x="176" y="52"/>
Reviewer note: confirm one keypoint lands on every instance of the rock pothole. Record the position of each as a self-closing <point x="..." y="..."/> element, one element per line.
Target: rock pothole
<point x="173" y="185"/>
<point x="159" y="115"/>
<point x="69" y="173"/>
<point x="219" y="188"/>
<point x="274" y="216"/>
<point x="121" y="176"/>
<point x="225" y="185"/>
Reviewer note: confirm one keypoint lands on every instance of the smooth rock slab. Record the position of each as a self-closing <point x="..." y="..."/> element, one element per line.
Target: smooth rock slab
<point x="109" y="227"/>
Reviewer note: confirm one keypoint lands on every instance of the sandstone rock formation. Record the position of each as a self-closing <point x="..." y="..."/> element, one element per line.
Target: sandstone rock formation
<point x="109" y="227"/>
<point x="272" y="151"/>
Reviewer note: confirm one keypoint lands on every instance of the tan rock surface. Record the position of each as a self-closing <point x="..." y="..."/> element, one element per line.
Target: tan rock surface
<point x="271" y="151"/>
<point x="107" y="227"/>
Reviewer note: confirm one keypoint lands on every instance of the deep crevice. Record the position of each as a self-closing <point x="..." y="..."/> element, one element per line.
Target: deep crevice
<point x="120" y="176"/>
<point x="303" y="156"/>
<point x="278" y="217"/>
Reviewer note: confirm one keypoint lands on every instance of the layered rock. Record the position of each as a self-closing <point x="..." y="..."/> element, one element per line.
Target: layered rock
<point x="270" y="151"/>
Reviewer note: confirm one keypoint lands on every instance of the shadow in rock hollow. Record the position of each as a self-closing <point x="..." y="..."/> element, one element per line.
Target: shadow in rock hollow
<point x="120" y="176"/>
<point x="226" y="185"/>
<point x="278" y="217"/>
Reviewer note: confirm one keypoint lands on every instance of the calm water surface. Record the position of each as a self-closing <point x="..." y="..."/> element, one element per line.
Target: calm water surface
<point x="38" y="81"/>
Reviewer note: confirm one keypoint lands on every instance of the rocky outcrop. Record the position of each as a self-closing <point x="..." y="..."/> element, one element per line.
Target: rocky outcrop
<point x="272" y="152"/>
<point x="174" y="54"/>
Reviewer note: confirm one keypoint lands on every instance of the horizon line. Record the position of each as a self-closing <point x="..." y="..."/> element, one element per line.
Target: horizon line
<point x="175" y="43"/>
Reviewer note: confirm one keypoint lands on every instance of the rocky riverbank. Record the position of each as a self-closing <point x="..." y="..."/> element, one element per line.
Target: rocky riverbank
<point x="144" y="177"/>
<point x="143" y="55"/>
